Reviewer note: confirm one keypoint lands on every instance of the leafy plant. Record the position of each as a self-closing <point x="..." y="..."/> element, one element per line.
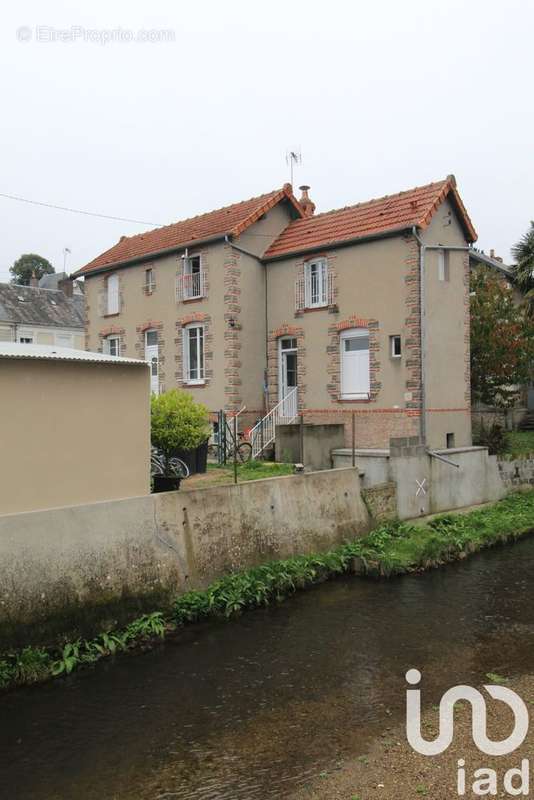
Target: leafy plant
<point x="494" y="437"/>
<point x="69" y="659"/>
<point x="30" y="665"/>
<point x="177" y="423"/>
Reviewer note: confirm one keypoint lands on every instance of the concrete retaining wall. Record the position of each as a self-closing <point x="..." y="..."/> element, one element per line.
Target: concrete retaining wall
<point x="426" y="485"/>
<point x="70" y="569"/>
<point x="318" y="441"/>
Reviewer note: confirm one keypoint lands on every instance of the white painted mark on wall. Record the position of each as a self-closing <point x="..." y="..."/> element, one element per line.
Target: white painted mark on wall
<point x="421" y="487"/>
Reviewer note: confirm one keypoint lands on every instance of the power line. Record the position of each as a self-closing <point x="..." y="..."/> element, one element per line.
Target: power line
<point x="78" y="211"/>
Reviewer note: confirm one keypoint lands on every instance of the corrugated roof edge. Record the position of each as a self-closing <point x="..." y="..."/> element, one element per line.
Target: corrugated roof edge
<point x="52" y="353"/>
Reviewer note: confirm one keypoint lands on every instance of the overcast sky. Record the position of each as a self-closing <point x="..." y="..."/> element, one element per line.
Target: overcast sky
<point x="379" y="96"/>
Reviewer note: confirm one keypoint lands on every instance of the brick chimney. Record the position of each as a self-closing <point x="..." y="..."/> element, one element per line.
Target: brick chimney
<point x="34" y="280"/>
<point x="308" y="205"/>
<point x="66" y="286"/>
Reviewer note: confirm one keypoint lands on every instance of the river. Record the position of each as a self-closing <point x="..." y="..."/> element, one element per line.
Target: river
<point x="258" y="706"/>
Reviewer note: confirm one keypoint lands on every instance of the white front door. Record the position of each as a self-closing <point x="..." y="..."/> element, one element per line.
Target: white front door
<point x="152" y="356"/>
<point x="288" y="376"/>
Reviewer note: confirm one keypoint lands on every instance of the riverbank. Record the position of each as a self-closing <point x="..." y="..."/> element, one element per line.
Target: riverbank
<point x="391" y="549"/>
<point x="391" y="770"/>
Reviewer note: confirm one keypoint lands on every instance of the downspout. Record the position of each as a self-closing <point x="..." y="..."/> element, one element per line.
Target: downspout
<point x="229" y="242"/>
<point x="422" y="314"/>
<point x="422" y="305"/>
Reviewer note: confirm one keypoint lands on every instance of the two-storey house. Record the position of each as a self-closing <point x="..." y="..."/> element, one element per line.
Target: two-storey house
<point x="265" y="304"/>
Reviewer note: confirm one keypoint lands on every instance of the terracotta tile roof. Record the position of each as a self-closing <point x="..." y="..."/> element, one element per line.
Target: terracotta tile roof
<point x="231" y="220"/>
<point x="375" y="217"/>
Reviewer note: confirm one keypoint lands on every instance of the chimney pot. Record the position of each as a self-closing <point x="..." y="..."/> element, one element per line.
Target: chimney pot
<point x="34" y="280"/>
<point x="492" y="253"/>
<point x="66" y="286"/>
<point x="308" y="206"/>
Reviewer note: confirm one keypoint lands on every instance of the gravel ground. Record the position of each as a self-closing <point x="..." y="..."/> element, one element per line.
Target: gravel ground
<point x="391" y="770"/>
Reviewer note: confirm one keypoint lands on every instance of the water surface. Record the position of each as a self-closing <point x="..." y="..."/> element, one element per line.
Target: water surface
<point x="255" y="707"/>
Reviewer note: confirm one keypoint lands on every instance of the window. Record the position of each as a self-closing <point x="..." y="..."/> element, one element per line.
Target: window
<point x="194" y="354"/>
<point x="316" y="283"/>
<point x="63" y="339"/>
<point x="193" y="277"/>
<point x="151" y="339"/>
<point x="355" y="376"/>
<point x="113" y="294"/>
<point x="395" y="347"/>
<point x="26" y="339"/>
<point x="112" y="345"/>
<point x="443" y="265"/>
<point x="150" y="282"/>
<point x="450" y="440"/>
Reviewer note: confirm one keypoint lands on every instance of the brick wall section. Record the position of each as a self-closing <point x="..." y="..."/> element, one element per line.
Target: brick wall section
<point x="333" y="359"/>
<point x="206" y="321"/>
<point x="412" y="341"/>
<point x="273" y="338"/>
<point x="373" y="427"/>
<point x="233" y="398"/>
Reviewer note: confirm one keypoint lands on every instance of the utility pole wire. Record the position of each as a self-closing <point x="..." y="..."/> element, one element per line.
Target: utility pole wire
<point x="78" y="211"/>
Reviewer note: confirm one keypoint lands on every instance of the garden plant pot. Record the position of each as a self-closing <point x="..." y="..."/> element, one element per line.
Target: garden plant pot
<point x="202" y="457"/>
<point x="165" y="483"/>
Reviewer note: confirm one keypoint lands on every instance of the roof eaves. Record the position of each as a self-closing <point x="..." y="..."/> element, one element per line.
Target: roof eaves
<point x="385" y="234"/>
<point x="129" y="262"/>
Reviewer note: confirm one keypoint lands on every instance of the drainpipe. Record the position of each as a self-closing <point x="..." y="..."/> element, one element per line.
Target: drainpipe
<point x="422" y="252"/>
<point x="422" y="313"/>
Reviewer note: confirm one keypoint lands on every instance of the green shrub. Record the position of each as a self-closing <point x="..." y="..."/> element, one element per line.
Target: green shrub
<point x="177" y="422"/>
<point x="494" y="437"/>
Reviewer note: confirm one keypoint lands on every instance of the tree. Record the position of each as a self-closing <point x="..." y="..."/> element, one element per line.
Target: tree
<point x="502" y="341"/>
<point x="177" y="423"/>
<point x="29" y="263"/>
<point x="523" y="253"/>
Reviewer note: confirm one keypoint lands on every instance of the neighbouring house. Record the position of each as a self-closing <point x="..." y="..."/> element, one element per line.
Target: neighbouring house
<point x="46" y="312"/>
<point x="522" y="415"/>
<point x="266" y="305"/>
<point x="75" y="427"/>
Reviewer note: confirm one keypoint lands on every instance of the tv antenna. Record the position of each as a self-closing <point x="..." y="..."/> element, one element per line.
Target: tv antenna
<point x="293" y="157"/>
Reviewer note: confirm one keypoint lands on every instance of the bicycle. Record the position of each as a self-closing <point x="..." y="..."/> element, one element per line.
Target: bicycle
<point x="244" y="450"/>
<point x="176" y="465"/>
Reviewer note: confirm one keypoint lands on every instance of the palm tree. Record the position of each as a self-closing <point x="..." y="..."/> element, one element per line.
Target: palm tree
<point x="523" y="253"/>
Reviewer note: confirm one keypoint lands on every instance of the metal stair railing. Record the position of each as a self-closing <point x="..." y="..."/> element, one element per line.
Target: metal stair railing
<point x="264" y="432"/>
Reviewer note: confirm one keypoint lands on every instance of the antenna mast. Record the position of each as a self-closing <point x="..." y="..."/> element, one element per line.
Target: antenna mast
<point x="293" y="157"/>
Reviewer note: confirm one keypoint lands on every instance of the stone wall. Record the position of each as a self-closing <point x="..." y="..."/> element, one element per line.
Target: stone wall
<point x="70" y="570"/>
<point x="517" y="473"/>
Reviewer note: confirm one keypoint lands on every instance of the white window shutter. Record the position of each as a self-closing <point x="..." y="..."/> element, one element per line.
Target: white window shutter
<point x="185" y="353"/>
<point x="113" y="294"/>
<point x="324" y="282"/>
<point x="307" y="286"/>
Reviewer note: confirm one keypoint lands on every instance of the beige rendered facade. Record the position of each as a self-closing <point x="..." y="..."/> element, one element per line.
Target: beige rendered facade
<point x="72" y="431"/>
<point x="321" y="288"/>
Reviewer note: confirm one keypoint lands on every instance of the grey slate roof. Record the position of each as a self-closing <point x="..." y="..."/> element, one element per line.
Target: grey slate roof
<point x="51" y="281"/>
<point x="26" y="305"/>
<point x="481" y="258"/>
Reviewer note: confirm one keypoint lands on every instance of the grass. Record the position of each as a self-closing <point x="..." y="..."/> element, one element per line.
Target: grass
<point x="521" y="442"/>
<point x="392" y="549"/>
<point x="251" y="471"/>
